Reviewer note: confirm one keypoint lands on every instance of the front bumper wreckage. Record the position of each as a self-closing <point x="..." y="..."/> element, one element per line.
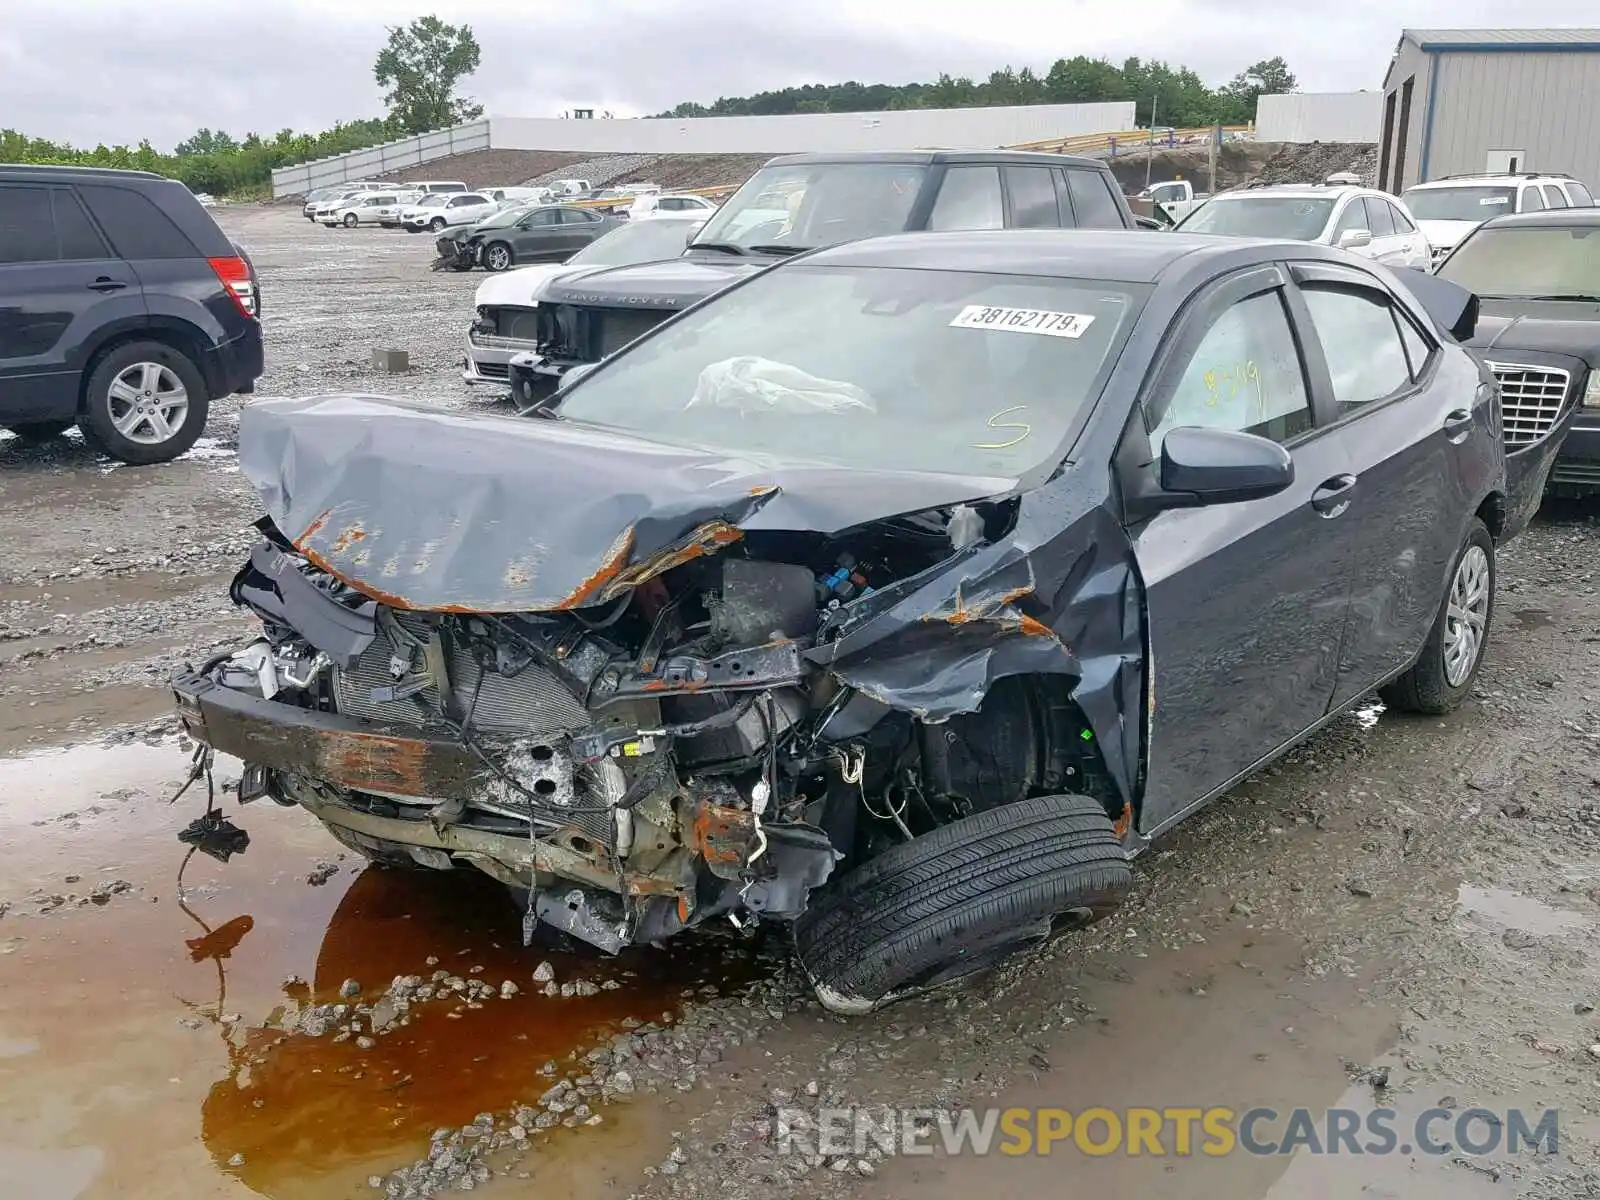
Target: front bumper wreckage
<point x="676" y="701"/>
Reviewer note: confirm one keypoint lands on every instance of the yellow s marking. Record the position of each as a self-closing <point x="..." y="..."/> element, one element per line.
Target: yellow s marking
<point x="994" y="422"/>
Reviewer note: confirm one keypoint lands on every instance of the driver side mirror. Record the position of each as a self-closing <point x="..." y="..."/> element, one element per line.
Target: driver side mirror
<point x="1352" y="239"/>
<point x="1201" y="466"/>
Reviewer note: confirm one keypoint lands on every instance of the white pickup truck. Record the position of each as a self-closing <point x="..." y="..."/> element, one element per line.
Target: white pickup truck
<point x="1176" y="198"/>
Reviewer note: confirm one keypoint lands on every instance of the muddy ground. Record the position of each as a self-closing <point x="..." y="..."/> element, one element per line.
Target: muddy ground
<point x="1402" y="914"/>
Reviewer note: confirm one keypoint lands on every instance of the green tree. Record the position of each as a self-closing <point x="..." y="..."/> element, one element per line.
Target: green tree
<point x="1269" y="77"/>
<point x="421" y="66"/>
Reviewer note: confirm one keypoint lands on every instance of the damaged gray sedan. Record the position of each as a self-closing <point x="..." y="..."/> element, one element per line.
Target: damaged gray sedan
<point x="901" y="592"/>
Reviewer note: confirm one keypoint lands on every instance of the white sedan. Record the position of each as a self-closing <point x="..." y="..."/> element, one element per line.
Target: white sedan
<point x="1362" y="220"/>
<point x="444" y="209"/>
<point x="650" y="205"/>
<point x="374" y="209"/>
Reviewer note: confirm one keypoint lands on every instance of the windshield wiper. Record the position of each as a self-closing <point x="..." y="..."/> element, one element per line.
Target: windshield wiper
<point x="1579" y="297"/>
<point x="771" y="248"/>
<point x="725" y="247"/>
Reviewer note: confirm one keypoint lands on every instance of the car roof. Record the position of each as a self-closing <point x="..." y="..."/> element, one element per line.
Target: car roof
<point x="932" y="157"/>
<point x="1301" y="191"/>
<point x="68" y="173"/>
<point x="1120" y="255"/>
<point x="1553" y="218"/>
<point x="1490" y="178"/>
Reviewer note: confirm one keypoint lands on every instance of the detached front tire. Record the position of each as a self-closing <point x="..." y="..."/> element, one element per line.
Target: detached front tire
<point x="1443" y="675"/>
<point x="960" y="899"/>
<point x="144" y="403"/>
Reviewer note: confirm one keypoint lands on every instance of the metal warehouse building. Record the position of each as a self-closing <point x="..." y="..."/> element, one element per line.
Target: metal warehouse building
<point x="1458" y="101"/>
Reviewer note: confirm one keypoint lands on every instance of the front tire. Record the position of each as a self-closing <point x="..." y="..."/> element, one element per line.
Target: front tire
<point x="960" y="899"/>
<point x="144" y="403"/>
<point x="437" y="224"/>
<point x="351" y="220"/>
<point x="1443" y="675"/>
<point x="497" y="256"/>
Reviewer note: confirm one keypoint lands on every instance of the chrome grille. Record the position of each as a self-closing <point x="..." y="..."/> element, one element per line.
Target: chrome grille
<point x="533" y="703"/>
<point x="494" y="370"/>
<point x="1530" y="400"/>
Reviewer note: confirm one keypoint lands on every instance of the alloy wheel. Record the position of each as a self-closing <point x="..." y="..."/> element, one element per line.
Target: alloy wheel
<point x="1467" y="617"/>
<point x="498" y="258"/>
<point x="148" y="403"/>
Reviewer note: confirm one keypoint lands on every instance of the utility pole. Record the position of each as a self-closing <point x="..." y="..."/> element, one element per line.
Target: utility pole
<point x="1216" y="139"/>
<point x="1150" y="140"/>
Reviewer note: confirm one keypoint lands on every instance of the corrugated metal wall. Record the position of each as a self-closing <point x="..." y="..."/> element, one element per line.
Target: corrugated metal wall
<point x="1320" y="117"/>
<point x="946" y="128"/>
<point x="1546" y="105"/>
<point x="379" y="160"/>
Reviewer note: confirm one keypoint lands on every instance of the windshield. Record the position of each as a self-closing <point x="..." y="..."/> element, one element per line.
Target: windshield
<point x="1300" y="218"/>
<point x="1460" y="203"/>
<point x="817" y="204"/>
<point x="1550" y="262"/>
<point x="876" y="368"/>
<point x="641" y="242"/>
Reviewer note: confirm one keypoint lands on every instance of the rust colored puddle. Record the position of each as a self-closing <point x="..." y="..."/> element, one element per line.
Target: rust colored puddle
<point x="141" y="1052"/>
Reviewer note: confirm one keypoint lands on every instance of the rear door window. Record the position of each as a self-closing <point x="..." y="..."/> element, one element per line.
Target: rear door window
<point x="1402" y="223"/>
<point x="1361" y="343"/>
<point x="80" y="240"/>
<point x="1554" y="197"/>
<point x="1378" y="218"/>
<point x="969" y="198"/>
<point x="1093" y="205"/>
<point x="137" y="228"/>
<point x="1032" y="192"/>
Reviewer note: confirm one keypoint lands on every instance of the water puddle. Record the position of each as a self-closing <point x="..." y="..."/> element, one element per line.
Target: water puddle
<point x="139" y="1016"/>
<point x="1509" y="910"/>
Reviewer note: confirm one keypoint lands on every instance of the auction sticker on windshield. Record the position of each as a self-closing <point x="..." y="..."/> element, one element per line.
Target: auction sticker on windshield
<point x="1022" y="320"/>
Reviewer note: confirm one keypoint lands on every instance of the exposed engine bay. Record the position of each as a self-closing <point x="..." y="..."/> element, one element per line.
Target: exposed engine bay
<point x="637" y="766"/>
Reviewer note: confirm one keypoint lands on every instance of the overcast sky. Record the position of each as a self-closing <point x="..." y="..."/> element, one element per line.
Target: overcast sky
<point x="117" y="70"/>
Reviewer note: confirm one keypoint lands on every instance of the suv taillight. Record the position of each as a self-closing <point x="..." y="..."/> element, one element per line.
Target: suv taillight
<point x="235" y="276"/>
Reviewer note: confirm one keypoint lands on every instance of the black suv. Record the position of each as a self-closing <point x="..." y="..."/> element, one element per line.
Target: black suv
<point x="123" y="308"/>
<point x="799" y="202"/>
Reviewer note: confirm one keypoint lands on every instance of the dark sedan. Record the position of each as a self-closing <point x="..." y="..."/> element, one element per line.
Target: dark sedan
<point x="1537" y="276"/>
<point x="903" y="591"/>
<point x="516" y="237"/>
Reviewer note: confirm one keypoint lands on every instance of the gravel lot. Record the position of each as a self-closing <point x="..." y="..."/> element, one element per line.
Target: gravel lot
<point x="1403" y="913"/>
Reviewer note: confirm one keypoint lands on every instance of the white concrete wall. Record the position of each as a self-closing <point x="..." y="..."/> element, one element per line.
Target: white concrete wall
<point x="379" y="160"/>
<point x="933" y="128"/>
<point x="1320" y="117"/>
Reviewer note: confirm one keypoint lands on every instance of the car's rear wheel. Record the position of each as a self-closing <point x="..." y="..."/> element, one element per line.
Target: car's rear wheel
<point x="144" y="403"/>
<point x="960" y="899"/>
<point x="497" y="256"/>
<point x="351" y="220"/>
<point x="1443" y="675"/>
<point x="34" y="432"/>
<point x="437" y="224"/>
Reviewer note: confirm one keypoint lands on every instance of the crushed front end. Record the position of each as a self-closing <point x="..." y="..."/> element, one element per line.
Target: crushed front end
<point x="620" y="764"/>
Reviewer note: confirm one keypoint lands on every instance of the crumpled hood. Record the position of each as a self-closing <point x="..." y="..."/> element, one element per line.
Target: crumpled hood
<point x="1561" y="327"/>
<point x="672" y="283"/>
<point x="1444" y="234"/>
<point x="518" y="287"/>
<point x="425" y="509"/>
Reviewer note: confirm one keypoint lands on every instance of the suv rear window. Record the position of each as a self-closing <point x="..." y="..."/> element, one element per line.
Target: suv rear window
<point x="136" y="227"/>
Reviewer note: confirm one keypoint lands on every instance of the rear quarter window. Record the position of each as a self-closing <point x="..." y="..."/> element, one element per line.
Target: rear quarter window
<point x="1093" y="205"/>
<point x="138" y="229"/>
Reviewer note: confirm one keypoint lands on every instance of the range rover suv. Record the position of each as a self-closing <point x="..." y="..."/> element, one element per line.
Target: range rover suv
<point x="800" y="202"/>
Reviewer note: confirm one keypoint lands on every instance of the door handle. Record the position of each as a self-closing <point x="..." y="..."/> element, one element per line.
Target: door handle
<point x="1333" y="497"/>
<point x="106" y="284"/>
<point x="1458" y="426"/>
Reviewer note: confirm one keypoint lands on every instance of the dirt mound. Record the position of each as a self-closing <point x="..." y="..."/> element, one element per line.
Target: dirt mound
<point x="490" y="168"/>
<point x="1241" y="163"/>
<point x="674" y="171"/>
